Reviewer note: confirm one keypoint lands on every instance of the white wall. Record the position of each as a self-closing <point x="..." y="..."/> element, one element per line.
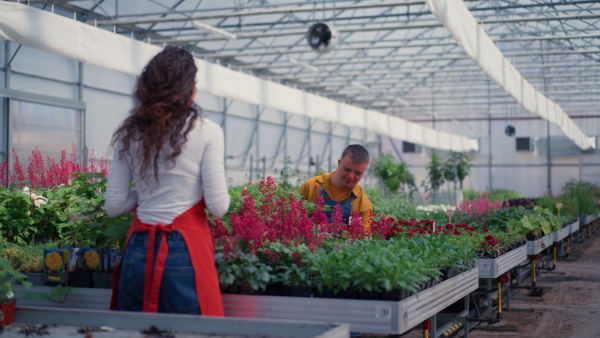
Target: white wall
<point x="522" y="171"/>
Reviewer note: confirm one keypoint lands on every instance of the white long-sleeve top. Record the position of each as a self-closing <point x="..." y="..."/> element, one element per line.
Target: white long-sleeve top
<point x="199" y="171"/>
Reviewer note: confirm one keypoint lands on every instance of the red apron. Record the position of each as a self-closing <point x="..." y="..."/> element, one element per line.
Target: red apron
<point x="193" y="226"/>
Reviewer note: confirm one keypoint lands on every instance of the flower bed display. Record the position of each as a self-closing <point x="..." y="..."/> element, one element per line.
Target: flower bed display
<point x="538" y="245"/>
<point x="494" y="267"/>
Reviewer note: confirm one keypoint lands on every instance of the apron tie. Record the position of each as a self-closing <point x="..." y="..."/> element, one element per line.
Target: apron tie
<point x="153" y="276"/>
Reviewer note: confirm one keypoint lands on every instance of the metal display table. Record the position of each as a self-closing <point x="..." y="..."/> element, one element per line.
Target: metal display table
<point x="492" y="268"/>
<point x="374" y="316"/>
<point x="535" y="247"/>
<point x="65" y="322"/>
<point x="573" y="227"/>
<point x="561" y="234"/>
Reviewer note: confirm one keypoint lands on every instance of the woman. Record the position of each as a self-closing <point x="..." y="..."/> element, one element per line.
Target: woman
<point x="175" y="157"/>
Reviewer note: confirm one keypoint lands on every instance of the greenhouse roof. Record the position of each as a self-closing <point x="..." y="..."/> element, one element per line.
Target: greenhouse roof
<point x="394" y="57"/>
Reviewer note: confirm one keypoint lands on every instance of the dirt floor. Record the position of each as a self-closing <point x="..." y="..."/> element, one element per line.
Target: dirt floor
<point x="569" y="306"/>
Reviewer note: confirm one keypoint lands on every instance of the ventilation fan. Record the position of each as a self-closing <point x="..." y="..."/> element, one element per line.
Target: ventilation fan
<point x="510" y="130"/>
<point x="322" y="38"/>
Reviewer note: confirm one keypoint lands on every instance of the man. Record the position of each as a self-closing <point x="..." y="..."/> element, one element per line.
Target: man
<point x="341" y="186"/>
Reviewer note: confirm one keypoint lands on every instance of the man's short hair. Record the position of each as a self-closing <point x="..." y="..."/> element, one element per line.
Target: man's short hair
<point x="357" y="153"/>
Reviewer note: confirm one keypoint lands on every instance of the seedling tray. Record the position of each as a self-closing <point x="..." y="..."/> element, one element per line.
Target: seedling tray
<point x="492" y="268"/>
<point x="535" y="247"/>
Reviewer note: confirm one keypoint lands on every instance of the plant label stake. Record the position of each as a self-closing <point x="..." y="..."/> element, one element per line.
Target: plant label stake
<point x="558" y="206"/>
<point x="449" y="213"/>
<point x="434" y="227"/>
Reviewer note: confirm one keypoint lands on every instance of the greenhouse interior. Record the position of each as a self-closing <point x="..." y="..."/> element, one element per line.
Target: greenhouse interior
<point x="471" y="211"/>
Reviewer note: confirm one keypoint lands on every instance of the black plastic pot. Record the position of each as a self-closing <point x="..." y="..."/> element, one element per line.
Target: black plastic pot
<point x="80" y="279"/>
<point x="349" y="293"/>
<point x="395" y="294"/>
<point x="274" y="289"/>
<point x="102" y="279"/>
<point x="371" y="295"/>
<point x="324" y="292"/>
<point x="296" y="291"/>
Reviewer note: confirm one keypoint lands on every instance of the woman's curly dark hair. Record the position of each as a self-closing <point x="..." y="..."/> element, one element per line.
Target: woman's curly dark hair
<point x="162" y="104"/>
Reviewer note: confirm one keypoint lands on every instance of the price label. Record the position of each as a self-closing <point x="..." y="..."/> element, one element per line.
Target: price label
<point x="559" y="205"/>
<point x="383" y="313"/>
<point x="449" y="213"/>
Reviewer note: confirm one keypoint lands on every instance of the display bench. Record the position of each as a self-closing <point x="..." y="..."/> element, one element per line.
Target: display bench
<point x="537" y="246"/>
<point x="561" y="234"/>
<point x="67" y="322"/>
<point x="573" y="227"/>
<point x="373" y="316"/>
<point x="492" y="268"/>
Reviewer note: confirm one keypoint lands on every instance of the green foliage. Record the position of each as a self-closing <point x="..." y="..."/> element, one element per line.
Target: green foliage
<point x="569" y="210"/>
<point x="494" y="195"/>
<point x="290" y="268"/>
<point x="386" y="265"/>
<point x="26" y="258"/>
<point x="435" y="176"/>
<point x="535" y="222"/>
<point x="20" y="220"/>
<point x="463" y="166"/>
<point x="396" y="177"/>
<point x="57" y="294"/>
<point x="239" y="271"/>
<point x="8" y="276"/>
<point x="73" y="214"/>
<point x="586" y="195"/>
<point x="456" y="168"/>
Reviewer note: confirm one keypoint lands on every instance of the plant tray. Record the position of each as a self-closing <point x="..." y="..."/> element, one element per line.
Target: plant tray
<point x="535" y="247"/>
<point x="375" y="316"/>
<point x="492" y="268"/>
<point x="574" y="226"/>
<point x="559" y="235"/>
<point x="67" y="322"/>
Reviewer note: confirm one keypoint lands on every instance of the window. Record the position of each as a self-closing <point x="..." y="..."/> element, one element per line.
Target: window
<point x="49" y="128"/>
<point x="524" y="144"/>
<point x="408" y="147"/>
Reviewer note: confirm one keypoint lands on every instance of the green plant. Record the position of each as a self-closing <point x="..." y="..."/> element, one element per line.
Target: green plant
<point x="435" y="176"/>
<point x="463" y="167"/>
<point x="26" y="258"/>
<point x="586" y="195"/>
<point x="241" y="271"/>
<point x="82" y="219"/>
<point x="395" y="176"/>
<point x="494" y="195"/>
<point x="58" y="294"/>
<point x="289" y="263"/>
<point x="70" y="213"/>
<point x="8" y="276"/>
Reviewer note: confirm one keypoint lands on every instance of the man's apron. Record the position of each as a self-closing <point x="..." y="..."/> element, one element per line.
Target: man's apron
<point x="193" y="226"/>
<point x="346" y="207"/>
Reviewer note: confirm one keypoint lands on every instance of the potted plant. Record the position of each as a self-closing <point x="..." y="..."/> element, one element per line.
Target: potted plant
<point x="8" y="276"/>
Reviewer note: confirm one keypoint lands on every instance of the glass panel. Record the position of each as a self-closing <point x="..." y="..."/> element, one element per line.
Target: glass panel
<point x="51" y="129"/>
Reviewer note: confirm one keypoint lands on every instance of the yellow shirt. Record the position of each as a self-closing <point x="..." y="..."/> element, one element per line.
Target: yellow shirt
<point x="311" y="188"/>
